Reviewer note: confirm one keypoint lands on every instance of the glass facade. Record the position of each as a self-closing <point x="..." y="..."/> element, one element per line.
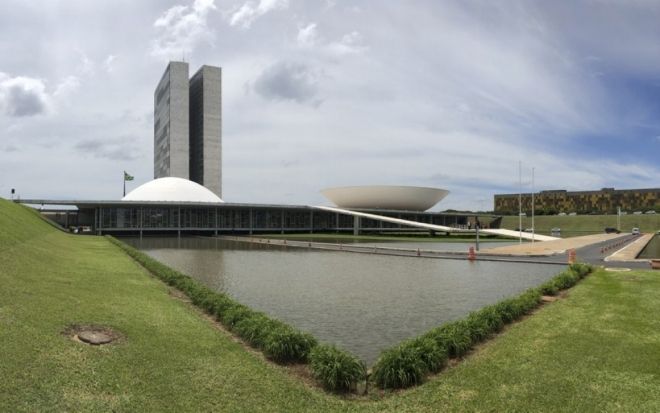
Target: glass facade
<point x="248" y="219"/>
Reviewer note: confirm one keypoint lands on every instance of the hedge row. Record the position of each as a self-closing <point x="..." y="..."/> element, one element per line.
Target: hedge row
<point x="566" y="279"/>
<point x="408" y="364"/>
<point x="337" y="370"/>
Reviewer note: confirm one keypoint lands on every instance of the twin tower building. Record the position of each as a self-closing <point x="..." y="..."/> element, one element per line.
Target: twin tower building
<point x="188" y="125"/>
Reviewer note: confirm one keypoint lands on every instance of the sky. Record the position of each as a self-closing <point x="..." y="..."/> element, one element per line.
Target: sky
<point x="316" y="94"/>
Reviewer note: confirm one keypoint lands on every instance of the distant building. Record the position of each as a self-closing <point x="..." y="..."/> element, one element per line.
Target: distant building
<point x="188" y="126"/>
<point x="171" y="123"/>
<point x="206" y="128"/>
<point x="605" y="201"/>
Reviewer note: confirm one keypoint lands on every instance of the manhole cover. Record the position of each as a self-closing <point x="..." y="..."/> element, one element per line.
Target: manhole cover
<point x="94" y="337"/>
<point x="92" y="334"/>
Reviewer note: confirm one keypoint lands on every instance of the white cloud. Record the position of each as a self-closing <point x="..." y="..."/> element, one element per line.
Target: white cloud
<point x="350" y="43"/>
<point x="250" y="11"/>
<point x="109" y="62"/>
<point x="307" y="36"/>
<point x="123" y="148"/>
<point x="182" y="29"/>
<point x="289" y="81"/>
<point x="86" y="66"/>
<point x="329" y="4"/>
<point x="68" y="86"/>
<point x="22" y="96"/>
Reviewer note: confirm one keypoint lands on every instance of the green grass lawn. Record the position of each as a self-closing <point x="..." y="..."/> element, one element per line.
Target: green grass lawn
<point x="171" y="358"/>
<point x="596" y="350"/>
<point x="584" y="224"/>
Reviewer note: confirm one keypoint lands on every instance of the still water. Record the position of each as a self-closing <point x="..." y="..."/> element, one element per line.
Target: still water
<point x="360" y="302"/>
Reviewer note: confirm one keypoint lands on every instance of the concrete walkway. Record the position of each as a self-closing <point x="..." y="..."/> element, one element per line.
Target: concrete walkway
<point x="590" y="248"/>
<point x="558" y="246"/>
<point x="630" y="252"/>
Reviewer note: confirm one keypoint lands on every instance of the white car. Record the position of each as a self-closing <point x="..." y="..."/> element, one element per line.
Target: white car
<point x="635" y="231"/>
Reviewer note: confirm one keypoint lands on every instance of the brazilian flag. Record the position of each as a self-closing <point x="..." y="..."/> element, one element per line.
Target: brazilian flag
<point x="127" y="177"/>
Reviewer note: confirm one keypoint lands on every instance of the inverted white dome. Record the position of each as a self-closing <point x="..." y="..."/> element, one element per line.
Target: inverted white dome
<point x="408" y="198"/>
<point x="172" y="190"/>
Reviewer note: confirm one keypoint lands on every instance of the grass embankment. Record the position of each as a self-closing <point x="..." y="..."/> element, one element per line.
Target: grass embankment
<point x="596" y="350"/>
<point x="170" y="358"/>
<point x="584" y="224"/>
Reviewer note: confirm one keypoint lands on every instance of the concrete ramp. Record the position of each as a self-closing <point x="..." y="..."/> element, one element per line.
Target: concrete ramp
<point x="439" y="228"/>
<point x="515" y="234"/>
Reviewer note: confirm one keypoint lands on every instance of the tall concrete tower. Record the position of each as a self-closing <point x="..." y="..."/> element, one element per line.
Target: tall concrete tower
<point x="171" y="123"/>
<point x="206" y="128"/>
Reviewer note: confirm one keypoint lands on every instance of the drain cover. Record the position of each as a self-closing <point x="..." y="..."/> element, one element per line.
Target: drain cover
<point x="94" y="337"/>
<point x="93" y="334"/>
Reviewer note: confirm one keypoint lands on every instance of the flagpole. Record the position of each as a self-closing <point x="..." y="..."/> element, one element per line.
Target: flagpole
<point x="124" y="183"/>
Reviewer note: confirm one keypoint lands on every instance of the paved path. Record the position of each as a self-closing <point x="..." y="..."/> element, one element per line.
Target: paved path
<point x="630" y="252"/>
<point x="557" y="246"/>
<point x="593" y="249"/>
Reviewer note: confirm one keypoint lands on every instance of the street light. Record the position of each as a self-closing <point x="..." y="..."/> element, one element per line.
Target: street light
<point x="533" y="226"/>
<point x="520" y="201"/>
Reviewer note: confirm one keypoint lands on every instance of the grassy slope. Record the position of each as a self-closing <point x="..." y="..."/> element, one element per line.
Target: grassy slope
<point x="597" y="350"/>
<point x="583" y="224"/>
<point x="171" y="360"/>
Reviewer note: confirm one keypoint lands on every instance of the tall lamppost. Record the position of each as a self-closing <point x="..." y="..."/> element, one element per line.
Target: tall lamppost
<point x="520" y="202"/>
<point x="533" y="226"/>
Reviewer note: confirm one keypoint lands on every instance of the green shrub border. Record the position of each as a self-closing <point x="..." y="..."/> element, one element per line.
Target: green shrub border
<point x="337" y="370"/>
<point x="410" y="362"/>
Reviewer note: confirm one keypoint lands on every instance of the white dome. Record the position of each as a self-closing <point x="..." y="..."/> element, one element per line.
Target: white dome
<point x="172" y="190"/>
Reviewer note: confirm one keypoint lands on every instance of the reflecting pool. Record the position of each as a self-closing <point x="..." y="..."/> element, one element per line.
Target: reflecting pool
<point x="360" y="302"/>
